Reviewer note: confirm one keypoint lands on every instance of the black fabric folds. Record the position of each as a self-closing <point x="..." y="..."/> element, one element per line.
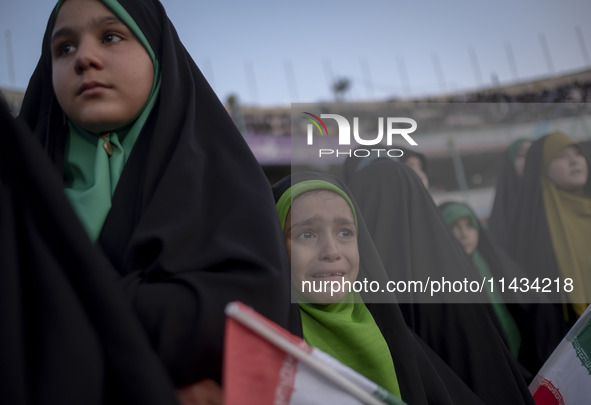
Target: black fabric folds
<point x="414" y="243"/>
<point x="68" y="336"/>
<point x="422" y="376"/>
<point x="192" y="224"/>
<point x="506" y="193"/>
<point x="502" y="266"/>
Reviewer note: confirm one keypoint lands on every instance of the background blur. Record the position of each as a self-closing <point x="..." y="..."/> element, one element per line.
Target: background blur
<point x="260" y="56"/>
<point x="275" y="52"/>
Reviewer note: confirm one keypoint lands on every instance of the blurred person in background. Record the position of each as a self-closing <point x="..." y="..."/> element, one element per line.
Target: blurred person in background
<point x="414" y="243"/>
<point x="550" y="236"/>
<point x="415" y="160"/>
<point x="493" y="263"/>
<point x="507" y="190"/>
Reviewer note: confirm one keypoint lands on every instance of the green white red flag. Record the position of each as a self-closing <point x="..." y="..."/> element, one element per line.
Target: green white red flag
<point x="565" y="378"/>
<point x="265" y="364"/>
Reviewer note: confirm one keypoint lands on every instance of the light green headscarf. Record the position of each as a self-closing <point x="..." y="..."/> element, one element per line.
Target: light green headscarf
<point x="90" y="174"/>
<point x="452" y="213"/>
<point x="349" y="333"/>
<point x="346" y="330"/>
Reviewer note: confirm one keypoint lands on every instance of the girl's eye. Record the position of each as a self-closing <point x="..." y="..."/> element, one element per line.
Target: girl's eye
<point x="110" y="38"/>
<point x="346" y="233"/>
<point x="305" y="235"/>
<point x="64" y="49"/>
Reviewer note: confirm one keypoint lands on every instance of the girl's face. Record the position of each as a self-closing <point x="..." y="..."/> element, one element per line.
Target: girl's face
<point x="466" y="234"/>
<point x="568" y="170"/>
<point x="321" y="242"/>
<point x="520" y="156"/>
<point x="102" y="74"/>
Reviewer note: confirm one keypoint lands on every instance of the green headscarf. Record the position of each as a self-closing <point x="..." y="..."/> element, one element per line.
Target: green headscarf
<point x="346" y="330"/>
<point x="90" y="174"/>
<point x="284" y="203"/>
<point x="453" y="212"/>
<point x="349" y="333"/>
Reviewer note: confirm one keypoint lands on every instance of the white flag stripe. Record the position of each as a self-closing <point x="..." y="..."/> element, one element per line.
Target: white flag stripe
<point x="313" y="389"/>
<point x="234" y="311"/>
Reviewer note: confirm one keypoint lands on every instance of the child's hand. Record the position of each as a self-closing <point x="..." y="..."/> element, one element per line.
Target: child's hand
<point x="204" y="392"/>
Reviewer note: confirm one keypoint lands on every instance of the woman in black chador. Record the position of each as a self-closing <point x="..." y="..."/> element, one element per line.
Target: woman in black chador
<point x="170" y="211"/>
<point x="550" y="238"/>
<point x="507" y="190"/>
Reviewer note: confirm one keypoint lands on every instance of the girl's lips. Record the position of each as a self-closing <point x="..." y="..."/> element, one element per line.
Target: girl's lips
<point x="91" y="87"/>
<point x="329" y="274"/>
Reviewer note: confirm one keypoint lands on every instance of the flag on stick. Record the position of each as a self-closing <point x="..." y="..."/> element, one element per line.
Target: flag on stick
<point x="565" y="378"/>
<point x="265" y="364"/>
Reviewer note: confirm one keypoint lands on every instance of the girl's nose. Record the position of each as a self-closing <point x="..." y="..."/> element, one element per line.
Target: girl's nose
<point x="88" y="56"/>
<point x="574" y="159"/>
<point x="330" y="250"/>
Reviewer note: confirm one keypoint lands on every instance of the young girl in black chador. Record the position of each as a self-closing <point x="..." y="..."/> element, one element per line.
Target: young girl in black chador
<point x="493" y="263"/>
<point x="327" y="239"/>
<point x="152" y="166"/>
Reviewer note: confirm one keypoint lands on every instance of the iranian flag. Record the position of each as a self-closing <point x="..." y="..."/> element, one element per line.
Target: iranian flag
<point x="265" y="364"/>
<point x="565" y="378"/>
